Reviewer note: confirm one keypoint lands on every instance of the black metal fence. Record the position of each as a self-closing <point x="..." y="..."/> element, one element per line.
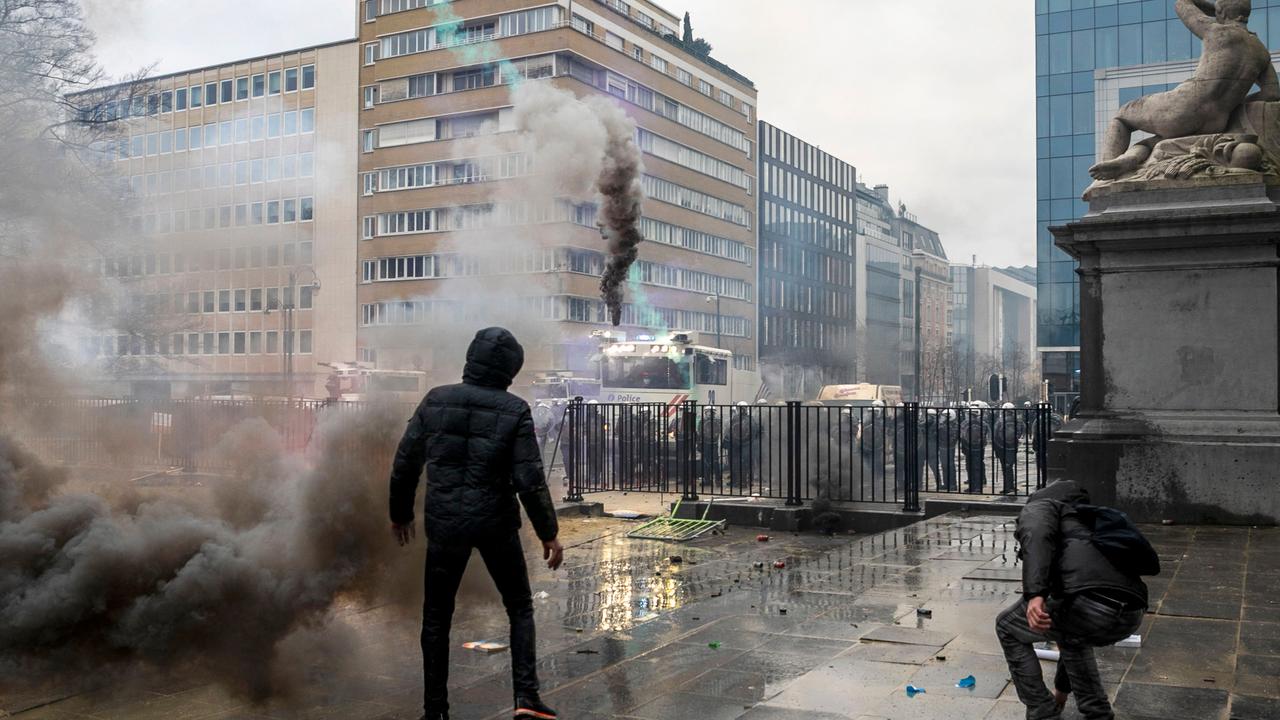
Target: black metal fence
<point x="802" y="452"/>
<point x="157" y="433"/>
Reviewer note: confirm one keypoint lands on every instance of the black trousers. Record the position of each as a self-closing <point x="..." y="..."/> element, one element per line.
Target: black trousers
<point x="1080" y="623"/>
<point x="975" y="466"/>
<point x="503" y="555"/>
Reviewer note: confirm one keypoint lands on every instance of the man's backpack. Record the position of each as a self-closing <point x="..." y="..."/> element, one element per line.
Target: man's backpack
<point x="1117" y="538"/>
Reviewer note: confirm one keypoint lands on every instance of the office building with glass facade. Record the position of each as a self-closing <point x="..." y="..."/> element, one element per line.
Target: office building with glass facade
<point x="1075" y="39"/>
<point x="808" y="266"/>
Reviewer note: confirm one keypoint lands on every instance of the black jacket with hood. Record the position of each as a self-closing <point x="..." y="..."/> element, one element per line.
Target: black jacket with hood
<point x="1057" y="551"/>
<point x="478" y="445"/>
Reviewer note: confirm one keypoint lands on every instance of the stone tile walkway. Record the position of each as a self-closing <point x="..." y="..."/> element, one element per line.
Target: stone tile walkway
<point x="836" y="633"/>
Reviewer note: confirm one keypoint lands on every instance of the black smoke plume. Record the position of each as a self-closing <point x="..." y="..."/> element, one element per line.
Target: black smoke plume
<point x="623" y="197"/>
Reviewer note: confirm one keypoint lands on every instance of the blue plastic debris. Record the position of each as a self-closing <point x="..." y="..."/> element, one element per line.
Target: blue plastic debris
<point x="967" y="683"/>
<point x="913" y="691"/>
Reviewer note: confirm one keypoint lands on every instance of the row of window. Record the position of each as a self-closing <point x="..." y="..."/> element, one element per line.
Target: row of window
<point x="219" y="343"/>
<point x="686" y="156"/>
<point x="820" y="196"/>
<point x="799" y="155"/>
<point x="558" y="308"/>
<point x="216" y="134"/>
<point x="259" y="85"/>
<point x="659" y="189"/>
<point x="268" y="212"/>
<point x="243" y="172"/>
<point x="240" y="258"/>
<point x="798" y="226"/>
<point x="431" y="129"/>
<point x="420" y="267"/>
<point x="789" y="259"/>
<point x="447" y="172"/>
<point x="781" y="294"/>
<point x="791" y="332"/>
<point x="521" y="23"/>
<point x="659" y="63"/>
<point x="475" y="78"/>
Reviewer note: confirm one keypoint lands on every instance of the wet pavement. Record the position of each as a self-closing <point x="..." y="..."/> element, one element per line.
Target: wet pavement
<point x="626" y="632"/>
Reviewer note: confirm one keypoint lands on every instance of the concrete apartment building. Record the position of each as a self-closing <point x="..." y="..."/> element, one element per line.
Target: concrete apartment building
<point x="808" y="265"/>
<point x="242" y="176"/>
<point x="993" y="330"/>
<point x="926" y="296"/>
<point x="442" y="247"/>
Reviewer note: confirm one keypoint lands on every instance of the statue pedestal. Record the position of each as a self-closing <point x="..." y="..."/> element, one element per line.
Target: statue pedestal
<point x="1180" y="335"/>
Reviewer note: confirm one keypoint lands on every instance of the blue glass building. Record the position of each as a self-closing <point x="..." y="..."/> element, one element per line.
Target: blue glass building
<point x="1074" y="39"/>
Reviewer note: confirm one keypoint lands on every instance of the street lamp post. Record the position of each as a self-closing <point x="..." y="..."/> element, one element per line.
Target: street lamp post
<point x="919" y="341"/>
<point x="288" y="308"/>
<point x="719" y="335"/>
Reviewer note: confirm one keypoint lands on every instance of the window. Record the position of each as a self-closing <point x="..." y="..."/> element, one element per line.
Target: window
<point x="209" y="345"/>
<point x="613" y="41"/>
<point x="658" y="63"/>
<point x="304" y="342"/>
<point x="291" y="79"/>
<point x="239" y="343"/>
<point x="224" y="301"/>
<point x="370" y="97"/>
<point x="197" y="96"/>
<point x="180" y="99"/>
<point x="308" y="77"/>
<point x="242" y="88"/>
<point x="368" y="140"/>
<point x="166" y="101"/>
<point x="304" y="296"/>
<point x="224" y="343"/>
<point x="273" y="83"/>
<point x="307" y="210"/>
<point x="255" y="343"/>
<point x="684" y="76"/>
<point x="704" y="87"/>
<point x="291" y="123"/>
<point x="370" y="10"/>
<point x="273" y="342"/>
<point x="370" y="53"/>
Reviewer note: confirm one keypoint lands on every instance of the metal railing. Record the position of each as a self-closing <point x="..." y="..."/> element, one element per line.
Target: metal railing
<point x="144" y="434"/>
<point x="802" y="452"/>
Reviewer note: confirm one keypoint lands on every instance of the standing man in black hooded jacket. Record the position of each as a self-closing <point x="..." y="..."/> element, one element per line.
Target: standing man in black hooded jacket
<point x="1072" y="594"/>
<point x="478" y="444"/>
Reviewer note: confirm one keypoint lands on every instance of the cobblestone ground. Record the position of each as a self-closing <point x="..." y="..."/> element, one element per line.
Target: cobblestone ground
<point x="626" y="632"/>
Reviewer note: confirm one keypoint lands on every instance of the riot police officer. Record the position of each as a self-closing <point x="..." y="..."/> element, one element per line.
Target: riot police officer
<point x="974" y="432"/>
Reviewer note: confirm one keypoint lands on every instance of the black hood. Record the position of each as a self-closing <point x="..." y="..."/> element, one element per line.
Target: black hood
<point x="494" y="359"/>
<point x="1067" y="491"/>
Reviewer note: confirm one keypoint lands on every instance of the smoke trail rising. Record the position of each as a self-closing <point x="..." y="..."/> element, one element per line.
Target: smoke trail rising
<point x="623" y="197"/>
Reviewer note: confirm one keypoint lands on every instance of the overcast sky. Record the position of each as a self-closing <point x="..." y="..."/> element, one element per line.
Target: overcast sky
<point x="933" y="97"/>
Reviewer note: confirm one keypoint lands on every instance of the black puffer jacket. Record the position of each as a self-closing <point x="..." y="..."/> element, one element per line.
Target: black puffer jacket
<point x="478" y="444"/>
<point x="1058" y="554"/>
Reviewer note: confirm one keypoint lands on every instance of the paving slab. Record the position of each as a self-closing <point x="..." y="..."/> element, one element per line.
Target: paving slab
<point x="625" y="633"/>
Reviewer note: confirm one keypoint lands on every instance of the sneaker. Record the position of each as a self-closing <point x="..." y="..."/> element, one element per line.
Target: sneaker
<point x="531" y="706"/>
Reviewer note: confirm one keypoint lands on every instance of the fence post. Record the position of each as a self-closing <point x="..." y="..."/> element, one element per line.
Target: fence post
<point x="689" y="452"/>
<point x="573" y="415"/>
<point x="794" y="448"/>
<point x="1044" y="433"/>
<point x="911" y="483"/>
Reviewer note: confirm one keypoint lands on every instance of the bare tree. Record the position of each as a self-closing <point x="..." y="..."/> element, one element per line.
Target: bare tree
<point x="61" y="205"/>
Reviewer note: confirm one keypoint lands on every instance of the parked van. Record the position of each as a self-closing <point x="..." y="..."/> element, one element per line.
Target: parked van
<point x="860" y="394"/>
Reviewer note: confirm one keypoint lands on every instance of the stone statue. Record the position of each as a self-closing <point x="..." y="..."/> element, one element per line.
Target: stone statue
<point x="1205" y="125"/>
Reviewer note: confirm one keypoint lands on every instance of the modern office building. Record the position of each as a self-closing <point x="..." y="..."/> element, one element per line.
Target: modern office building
<point x="447" y="238"/>
<point x="808" y="265"/>
<point x="992" y="319"/>
<point x="880" y="275"/>
<point x="243" y="185"/>
<point x="1083" y="48"/>
<point x="926" y="293"/>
